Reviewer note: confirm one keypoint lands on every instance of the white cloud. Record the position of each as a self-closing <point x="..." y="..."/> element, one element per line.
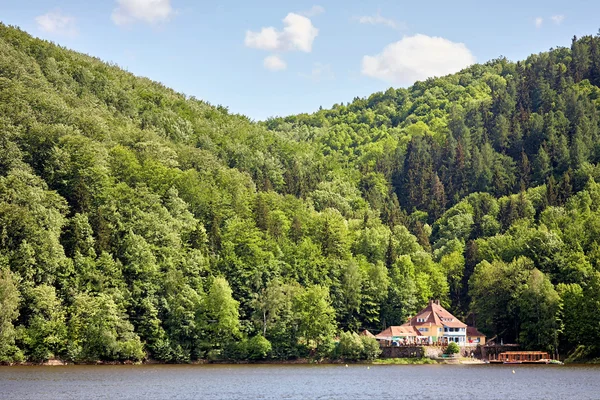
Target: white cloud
<point x="315" y="10"/>
<point x="149" y="11"/>
<point x="538" y="22"/>
<point x="56" y="23"/>
<point x="298" y="34"/>
<point x="320" y="72"/>
<point x="416" y="58"/>
<point x="274" y="63"/>
<point x="378" y="19"/>
<point x="557" y="19"/>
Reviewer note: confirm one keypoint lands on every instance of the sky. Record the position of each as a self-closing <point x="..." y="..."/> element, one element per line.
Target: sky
<point x="267" y="58"/>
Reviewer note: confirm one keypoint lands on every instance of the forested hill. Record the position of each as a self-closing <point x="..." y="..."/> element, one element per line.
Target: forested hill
<point x="138" y="223"/>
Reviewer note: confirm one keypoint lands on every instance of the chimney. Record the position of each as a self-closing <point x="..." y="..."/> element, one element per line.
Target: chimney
<point x="437" y="302"/>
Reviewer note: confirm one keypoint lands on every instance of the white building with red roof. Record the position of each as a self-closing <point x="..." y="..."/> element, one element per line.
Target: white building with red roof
<point x="438" y="324"/>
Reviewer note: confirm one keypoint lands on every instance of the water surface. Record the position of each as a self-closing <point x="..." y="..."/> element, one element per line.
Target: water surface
<point x="301" y="382"/>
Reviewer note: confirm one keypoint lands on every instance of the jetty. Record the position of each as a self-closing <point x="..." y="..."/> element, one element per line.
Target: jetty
<point x="523" y="357"/>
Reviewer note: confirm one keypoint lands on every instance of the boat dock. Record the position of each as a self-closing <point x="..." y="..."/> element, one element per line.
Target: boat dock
<point x="523" y="357"/>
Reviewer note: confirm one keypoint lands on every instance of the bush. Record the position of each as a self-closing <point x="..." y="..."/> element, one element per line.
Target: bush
<point x="350" y="346"/>
<point x="354" y="347"/>
<point x="325" y="349"/>
<point x="258" y="348"/>
<point x="452" y="348"/>
<point x="213" y="355"/>
<point x="371" y="348"/>
<point x="235" y="350"/>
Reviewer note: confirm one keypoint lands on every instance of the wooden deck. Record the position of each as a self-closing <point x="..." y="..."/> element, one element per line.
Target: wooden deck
<point x="522" y="357"/>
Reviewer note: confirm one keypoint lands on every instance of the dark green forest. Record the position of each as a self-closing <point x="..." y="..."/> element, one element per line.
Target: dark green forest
<point x="138" y="223"/>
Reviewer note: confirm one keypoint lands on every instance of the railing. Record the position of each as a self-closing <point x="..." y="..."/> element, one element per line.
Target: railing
<point x="433" y="344"/>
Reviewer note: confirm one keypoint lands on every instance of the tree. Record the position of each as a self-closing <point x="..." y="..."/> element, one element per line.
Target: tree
<point x="350" y="346"/>
<point x="46" y="334"/>
<point x="222" y="314"/>
<point x="99" y="330"/>
<point x="438" y="201"/>
<point x="493" y="288"/>
<point x="403" y="297"/>
<point x="316" y="316"/>
<point x="124" y="203"/>
<point x="9" y="303"/>
<point x="539" y="307"/>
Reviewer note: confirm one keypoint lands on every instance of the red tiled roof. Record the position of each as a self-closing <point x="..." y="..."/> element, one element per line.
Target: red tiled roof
<point x="434" y="314"/>
<point x="472" y="331"/>
<point x="398" y="331"/>
<point x="366" y="333"/>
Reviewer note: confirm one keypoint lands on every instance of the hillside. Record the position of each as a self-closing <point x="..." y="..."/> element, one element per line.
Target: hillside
<point x="136" y="222"/>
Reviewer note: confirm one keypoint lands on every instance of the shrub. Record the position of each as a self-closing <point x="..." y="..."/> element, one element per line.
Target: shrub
<point x="350" y="346"/>
<point x="258" y="348"/>
<point x="452" y="348"/>
<point x="325" y="348"/>
<point x="371" y="348"/>
<point x="354" y="347"/>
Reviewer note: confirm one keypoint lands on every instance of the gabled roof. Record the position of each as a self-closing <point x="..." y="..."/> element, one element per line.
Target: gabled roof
<point x="366" y="333"/>
<point x="472" y="331"/>
<point x="394" y="331"/>
<point x="434" y="314"/>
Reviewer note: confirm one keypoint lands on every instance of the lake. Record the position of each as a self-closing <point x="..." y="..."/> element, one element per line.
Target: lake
<point x="301" y="382"/>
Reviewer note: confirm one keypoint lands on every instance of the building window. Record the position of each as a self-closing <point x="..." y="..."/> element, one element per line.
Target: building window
<point x="423" y="329"/>
<point x="420" y="319"/>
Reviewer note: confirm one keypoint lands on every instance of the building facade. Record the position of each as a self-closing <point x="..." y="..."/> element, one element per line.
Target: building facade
<point x="432" y="325"/>
<point x="439" y="325"/>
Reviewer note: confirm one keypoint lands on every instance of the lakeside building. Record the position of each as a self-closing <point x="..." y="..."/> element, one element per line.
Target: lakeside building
<point x="474" y="336"/>
<point x="432" y="325"/>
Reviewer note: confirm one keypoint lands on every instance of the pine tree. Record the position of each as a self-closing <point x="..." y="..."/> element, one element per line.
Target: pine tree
<point x="525" y="171"/>
<point x="565" y="188"/>
<point x="438" y="198"/>
<point x="551" y="194"/>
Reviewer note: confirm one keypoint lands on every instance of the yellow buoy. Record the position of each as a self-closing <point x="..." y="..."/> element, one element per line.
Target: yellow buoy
<point x="513" y="371"/>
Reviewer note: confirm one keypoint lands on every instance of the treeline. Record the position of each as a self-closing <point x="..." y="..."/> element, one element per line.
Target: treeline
<point x="138" y="223"/>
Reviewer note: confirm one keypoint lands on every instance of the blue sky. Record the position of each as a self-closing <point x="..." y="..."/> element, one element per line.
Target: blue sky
<point x="266" y="58"/>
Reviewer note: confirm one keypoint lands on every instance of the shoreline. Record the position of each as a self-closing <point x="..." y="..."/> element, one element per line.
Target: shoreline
<point x="301" y="361"/>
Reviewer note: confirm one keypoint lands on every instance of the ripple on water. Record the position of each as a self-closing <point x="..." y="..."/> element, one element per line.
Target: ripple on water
<point x="300" y="382"/>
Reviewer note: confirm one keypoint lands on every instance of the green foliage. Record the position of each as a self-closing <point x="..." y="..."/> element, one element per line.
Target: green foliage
<point x="350" y="346"/>
<point x="371" y="348"/>
<point x="137" y="222"/>
<point x="223" y="325"/>
<point x="353" y="347"/>
<point x="9" y="302"/>
<point x="452" y="348"/>
<point x="100" y="331"/>
<point x="316" y="316"/>
<point x="46" y="334"/>
<point x="258" y="348"/>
